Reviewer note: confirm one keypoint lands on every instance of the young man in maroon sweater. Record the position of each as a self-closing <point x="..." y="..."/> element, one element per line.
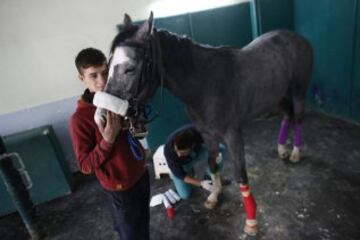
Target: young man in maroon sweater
<point x="105" y="151"/>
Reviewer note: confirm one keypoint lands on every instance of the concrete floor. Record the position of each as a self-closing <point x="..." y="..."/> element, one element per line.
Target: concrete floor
<point x="317" y="198"/>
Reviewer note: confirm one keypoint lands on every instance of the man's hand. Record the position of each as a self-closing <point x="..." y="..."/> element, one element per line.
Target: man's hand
<point x="111" y="128"/>
<point x="207" y="185"/>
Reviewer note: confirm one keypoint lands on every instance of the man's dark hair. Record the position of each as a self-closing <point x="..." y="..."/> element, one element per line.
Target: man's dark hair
<point x="89" y="57"/>
<point x="184" y="140"/>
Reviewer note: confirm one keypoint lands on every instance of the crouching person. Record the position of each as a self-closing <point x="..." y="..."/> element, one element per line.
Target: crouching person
<point x="185" y="148"/>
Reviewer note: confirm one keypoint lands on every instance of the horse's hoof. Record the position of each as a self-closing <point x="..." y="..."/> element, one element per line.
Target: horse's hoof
<point x="210" y="204"/>
<point x="283" y="152"/>
<point x="295" y="155"/>
<point x="251" y="230"/>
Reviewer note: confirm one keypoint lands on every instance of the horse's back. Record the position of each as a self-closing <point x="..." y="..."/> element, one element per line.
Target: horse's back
<point x="286" y="46"/>
<point x="283" y="38"/>
<point x="271" y="65"/>
<point x="283" y="54"/>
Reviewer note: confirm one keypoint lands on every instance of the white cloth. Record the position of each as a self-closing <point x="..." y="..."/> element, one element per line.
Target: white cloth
<point x="156" y="200"/>
<point x="111" y="103"/>
<point x="170" y="195"/>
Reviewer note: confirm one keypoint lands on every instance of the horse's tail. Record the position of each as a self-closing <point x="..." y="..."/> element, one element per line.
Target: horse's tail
<point x="301" y="78"/>
<point x="287" y="107"/>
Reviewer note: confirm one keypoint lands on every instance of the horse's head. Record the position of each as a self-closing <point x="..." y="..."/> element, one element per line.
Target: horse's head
<point x="132" y="70"/>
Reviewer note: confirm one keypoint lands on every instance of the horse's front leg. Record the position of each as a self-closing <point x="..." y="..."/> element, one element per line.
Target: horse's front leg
<point x="235" y="146"/>
<point x="214" y="159"/>
<point x="212" y="199"/>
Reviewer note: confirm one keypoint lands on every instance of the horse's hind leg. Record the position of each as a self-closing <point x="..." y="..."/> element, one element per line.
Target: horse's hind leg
<point x="286" y="108"/>
<point x="299" y="108"/>
<point x="298" y="91"/>
<point x="235" y="146"/>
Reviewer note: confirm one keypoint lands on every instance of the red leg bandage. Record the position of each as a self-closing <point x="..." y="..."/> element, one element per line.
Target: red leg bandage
<point x="249" y="203"/>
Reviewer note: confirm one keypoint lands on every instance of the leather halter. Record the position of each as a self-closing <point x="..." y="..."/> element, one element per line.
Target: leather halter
<point x="152" y="66"/>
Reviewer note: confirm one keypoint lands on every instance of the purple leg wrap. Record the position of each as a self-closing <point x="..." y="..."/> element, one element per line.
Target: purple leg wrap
<point x="298" y="134"/>
<point x="284" y="130"/>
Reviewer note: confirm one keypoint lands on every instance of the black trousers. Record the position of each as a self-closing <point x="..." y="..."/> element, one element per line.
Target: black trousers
<point x="130" y="210"/>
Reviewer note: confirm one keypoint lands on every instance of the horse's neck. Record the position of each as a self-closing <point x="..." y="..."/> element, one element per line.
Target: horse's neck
<point x="181" y="59"/>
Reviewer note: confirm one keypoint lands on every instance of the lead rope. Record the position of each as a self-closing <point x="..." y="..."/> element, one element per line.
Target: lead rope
<point x="135" y="145"/>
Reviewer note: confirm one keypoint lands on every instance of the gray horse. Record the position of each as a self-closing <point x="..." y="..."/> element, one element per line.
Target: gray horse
<point x="222" y="88"/>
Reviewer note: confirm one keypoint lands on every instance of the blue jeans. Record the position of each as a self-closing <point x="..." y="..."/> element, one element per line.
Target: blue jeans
<point x="130" y="210"/>
<point x="184" y="189"/>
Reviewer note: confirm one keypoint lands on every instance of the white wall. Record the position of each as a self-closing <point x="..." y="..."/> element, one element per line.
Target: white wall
<point x="40" y="38"/>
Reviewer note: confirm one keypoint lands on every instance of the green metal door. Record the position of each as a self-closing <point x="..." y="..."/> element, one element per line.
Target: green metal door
<point x="329" y="25"/>
<point x="42" y="166"/>
<point x="355" y="101"/>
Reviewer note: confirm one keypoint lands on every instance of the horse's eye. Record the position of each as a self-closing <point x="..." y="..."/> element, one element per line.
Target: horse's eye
<point x="129" y="70"/>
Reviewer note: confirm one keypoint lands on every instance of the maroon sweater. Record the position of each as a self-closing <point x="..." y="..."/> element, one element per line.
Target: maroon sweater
<point x="114" y="165"/>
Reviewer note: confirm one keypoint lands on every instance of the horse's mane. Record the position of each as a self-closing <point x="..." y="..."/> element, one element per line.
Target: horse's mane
<point x="184" y="40"/>
<point x="176" y="40"/>
<point x="123" y="35"/>
<point x="175" y="37"/>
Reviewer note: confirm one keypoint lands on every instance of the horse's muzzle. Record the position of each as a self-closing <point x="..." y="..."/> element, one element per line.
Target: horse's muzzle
<point x="106" y="102"/>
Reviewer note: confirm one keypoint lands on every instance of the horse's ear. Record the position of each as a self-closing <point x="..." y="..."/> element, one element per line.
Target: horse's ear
<point x="127" y="20"/>
<point x="146" y="29"/>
